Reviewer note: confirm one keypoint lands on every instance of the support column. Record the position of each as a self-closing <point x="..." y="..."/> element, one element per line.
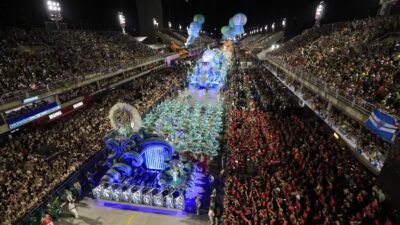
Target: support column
<point x="329" y="107"/>
<point x="57" y="98"/>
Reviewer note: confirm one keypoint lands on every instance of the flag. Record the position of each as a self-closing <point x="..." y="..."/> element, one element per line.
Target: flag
<point x="383" y="125"/>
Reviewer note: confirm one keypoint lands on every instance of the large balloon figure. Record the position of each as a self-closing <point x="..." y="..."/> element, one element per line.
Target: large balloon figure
<point x="240" y="19"/>
<point x="199" y="19"/>
<point x="235" y="28"/>
<point x="194" y="29"/>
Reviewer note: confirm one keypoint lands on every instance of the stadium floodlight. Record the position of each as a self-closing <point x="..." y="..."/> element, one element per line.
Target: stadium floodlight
<point x="284" y="23"/>
<point x="155" y="23"/>
<point x="169" y="25"/>
<point x="53" y="9"/>
<point x="319" y="12"/>
<point x="122" y="21"/>
<point x="273" y="27"/>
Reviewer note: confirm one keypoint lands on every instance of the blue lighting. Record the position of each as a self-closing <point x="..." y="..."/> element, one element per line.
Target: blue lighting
<point x="30" y="99"/>
<point x="163" y="211"/>
<point x="36" y="114"/>
<point x="154" y="153"/>
<point x="154" y="157"/>
<point x="210" y="70"/>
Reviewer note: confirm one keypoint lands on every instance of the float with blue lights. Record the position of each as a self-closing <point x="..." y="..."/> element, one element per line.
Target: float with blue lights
<point x="142" y="170"/>
<point x="210" y="70"/>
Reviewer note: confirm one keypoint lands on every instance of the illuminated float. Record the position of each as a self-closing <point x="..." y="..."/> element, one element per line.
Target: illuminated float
<point x="142" y="170"/>
<point x="210" y="70"/>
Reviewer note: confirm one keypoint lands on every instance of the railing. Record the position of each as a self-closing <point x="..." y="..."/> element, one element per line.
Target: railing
<point x="85" y="166"/>
<point x="361" y="105"/>
<point x="351" y="139"/>
<point x="20" y="94"/>
<point x="67" y="183"/>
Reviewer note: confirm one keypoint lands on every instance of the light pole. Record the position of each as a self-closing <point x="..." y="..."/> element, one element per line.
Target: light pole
<point x="53" y="9"/>
<point x="155" y="23"/>
<point x="319" y="12"/>
<point x="122" y="21"/>
<point x="284" y="23"/>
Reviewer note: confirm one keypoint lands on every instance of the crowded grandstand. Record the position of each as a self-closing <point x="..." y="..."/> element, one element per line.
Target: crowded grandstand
<point x="188" y="114"/>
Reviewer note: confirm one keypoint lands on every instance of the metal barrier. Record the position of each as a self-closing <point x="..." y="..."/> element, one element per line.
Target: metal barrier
<point x="356" y="102"/>
<point x="80" y="173"/>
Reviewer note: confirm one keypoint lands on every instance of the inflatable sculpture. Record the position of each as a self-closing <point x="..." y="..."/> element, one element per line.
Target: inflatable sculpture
<point x="194" y="29"/>
<point x="235" y="27"/>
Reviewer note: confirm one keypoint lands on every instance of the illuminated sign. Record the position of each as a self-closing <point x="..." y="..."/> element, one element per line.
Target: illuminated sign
<point x="33" y="117"/>
<point x="31" y="99"/>
<point x="55" y="115"/>
<point x="77" y="105"/>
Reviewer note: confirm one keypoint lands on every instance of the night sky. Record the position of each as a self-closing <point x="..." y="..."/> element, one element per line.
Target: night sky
<point x="99" y="14"/>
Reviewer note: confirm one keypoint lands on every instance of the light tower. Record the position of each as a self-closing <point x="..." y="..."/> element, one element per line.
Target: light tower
<point x="122" y="21"/>
<point x="284" y="23"/>
<point x="53" y="9"/>
<point x="155" y="23"/>
<point x="319" y="12"/>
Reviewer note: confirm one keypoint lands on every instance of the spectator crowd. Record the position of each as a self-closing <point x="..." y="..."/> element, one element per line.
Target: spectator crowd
<point x="34" y="58"/>
<point x="283" y="167"/>
<point x="369" y="145"/>
<point x="359" y="58"/>
<point x="26" y="177"/>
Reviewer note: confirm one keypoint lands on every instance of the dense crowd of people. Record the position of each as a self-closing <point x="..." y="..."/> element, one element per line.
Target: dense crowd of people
<point x="284" y="168"/>
<point x="26" y="177"/>
<point x="25" y="108"/>
<point x="34" y="58"/>
<point x="283" y="165"/>
<point x="358" y="57"/>
<point x="367" y="144"/>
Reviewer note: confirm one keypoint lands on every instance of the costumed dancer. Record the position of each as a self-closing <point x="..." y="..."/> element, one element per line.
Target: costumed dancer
<point x="211" y="215"/>
<point x="198" y="205"/>
<point x="47" y="220"/>
<point x="73" y="210"/>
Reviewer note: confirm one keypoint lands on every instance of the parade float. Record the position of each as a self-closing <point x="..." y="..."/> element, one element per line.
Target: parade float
<point x="210" y="70"/>
<point x="142" y="169"/>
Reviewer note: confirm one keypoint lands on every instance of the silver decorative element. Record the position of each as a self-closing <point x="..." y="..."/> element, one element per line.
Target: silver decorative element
<point x="135" y="122"/>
